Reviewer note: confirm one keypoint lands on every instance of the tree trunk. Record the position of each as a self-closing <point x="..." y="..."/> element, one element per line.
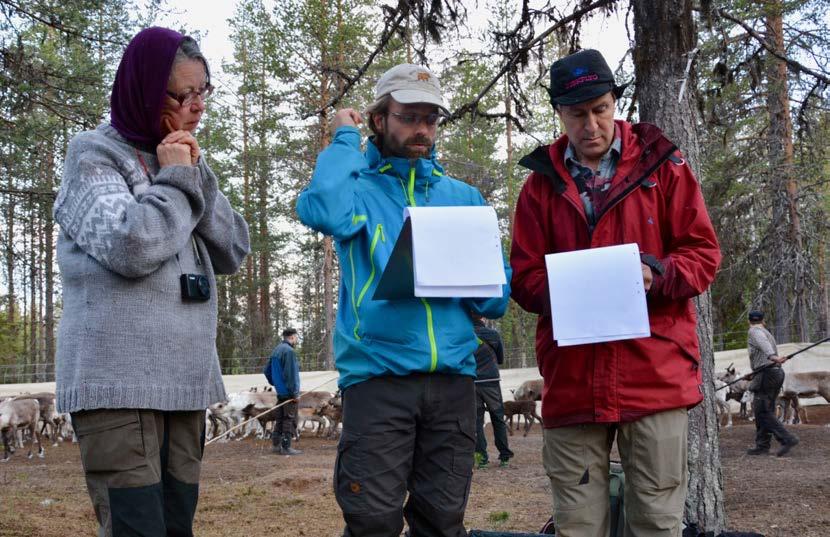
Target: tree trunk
<point x="784" y="182"/>
<point x="10" y="312"/>
<point x="264" y="240"/>
<point x="822" y="284"/>
<point x="24" y="316"/>
<point x="33" y="285"/>
<point x="40" y="369"/>
<point x="48" y="252"/>
<point x="250" y="284"/>
<point x="328" y="247"/>
<point x="665" y="37"/>
<point x="517" y="326"/>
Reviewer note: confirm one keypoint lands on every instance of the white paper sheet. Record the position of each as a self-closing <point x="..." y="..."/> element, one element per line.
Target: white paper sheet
<point x="456" y="251"/>
<point x="597" y="295"/>
<point x="457" y="291"/>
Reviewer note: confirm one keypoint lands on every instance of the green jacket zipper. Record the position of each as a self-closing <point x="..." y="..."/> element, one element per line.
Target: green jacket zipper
<point x="433" y="345"/>
<point x="378" y="234"/>
<point x="409" y="197"/>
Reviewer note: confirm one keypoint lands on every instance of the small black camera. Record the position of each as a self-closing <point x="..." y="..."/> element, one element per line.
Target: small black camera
<point x="195" y="287"/>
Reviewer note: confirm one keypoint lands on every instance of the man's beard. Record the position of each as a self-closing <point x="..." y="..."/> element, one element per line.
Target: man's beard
<point x="405" y="150"/>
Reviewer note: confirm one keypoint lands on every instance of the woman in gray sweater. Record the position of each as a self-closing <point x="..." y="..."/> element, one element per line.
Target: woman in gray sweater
<point x="144" y="230"/>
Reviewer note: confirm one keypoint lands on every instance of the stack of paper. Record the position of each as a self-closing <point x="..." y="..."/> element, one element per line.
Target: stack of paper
<point x="445" y="252"/>
<point x="597" y="295"/>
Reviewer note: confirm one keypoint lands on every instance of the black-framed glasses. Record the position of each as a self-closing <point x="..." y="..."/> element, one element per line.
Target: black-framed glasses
<point x="189" y="97"/>
<point x="413" y="118"/>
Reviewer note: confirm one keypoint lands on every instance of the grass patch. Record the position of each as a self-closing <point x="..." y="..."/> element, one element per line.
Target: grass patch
<point x="498" y="517"/>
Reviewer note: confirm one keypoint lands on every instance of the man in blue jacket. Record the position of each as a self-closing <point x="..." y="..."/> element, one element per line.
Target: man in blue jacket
<point x="285" y="377"/>
<point x="406" y="366"/>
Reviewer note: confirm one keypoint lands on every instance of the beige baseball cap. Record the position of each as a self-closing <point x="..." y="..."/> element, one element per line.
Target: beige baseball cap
<point x="409" y="83"/>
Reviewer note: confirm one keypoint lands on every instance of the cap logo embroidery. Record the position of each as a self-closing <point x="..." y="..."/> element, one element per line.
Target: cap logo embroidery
<point x="579" y="71"/>
<point x="423" y="76"/>
<point x="581" y="80"/>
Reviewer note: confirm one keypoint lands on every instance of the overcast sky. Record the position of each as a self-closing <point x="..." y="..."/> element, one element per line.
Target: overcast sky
<point x="605" y="34"/>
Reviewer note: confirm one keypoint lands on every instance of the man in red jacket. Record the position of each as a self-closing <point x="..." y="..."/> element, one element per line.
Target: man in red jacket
<point x="603" y="183"/>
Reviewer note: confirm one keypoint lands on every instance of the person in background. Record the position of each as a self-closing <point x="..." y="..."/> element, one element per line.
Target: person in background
<point x="489" y="355"/>
<point x="765" y="385"/>
<point x="144" y="230"/>
<point x="285" y="377"/>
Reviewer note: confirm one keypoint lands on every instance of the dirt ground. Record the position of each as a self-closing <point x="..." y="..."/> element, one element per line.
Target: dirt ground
<point x="245" y="490"/>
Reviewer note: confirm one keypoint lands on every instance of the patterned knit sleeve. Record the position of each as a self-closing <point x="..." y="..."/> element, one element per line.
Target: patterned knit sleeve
<point x="130" y="235"/>
<point x="224" y="230"/>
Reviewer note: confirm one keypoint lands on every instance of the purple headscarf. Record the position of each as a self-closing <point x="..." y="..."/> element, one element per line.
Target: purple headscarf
<point x="140" y="84"/>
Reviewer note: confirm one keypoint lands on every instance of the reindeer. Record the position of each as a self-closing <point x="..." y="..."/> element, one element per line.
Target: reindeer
<point x="309" y="407"/>
<point x="51" y="420"/>
<point x="736" y="391"/>
<point x="243" y="405"/>
<point x="333" y="411"/>
<point x="722" y="405"/>
<point x="21" y="414"/>
<point x="520" y="408"/>
<point x="529" y="390"/>
<point x="218" y="417"/>
<point x="806" y="384"/>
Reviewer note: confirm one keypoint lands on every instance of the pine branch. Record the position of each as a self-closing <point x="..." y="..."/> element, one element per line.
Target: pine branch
<point x="58" y="26"/>
<point x="477" y="112"/>
<point x="470" y="106"/>
<point x="794" y="65"/>
<point x="28" y="192"/>
<point x="387" y="34"/>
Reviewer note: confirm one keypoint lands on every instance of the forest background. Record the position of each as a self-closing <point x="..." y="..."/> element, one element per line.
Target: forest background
<point x="757" y="77"/>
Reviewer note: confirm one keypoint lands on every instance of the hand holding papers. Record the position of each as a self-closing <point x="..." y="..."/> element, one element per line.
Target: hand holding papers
<point x="445" y="252"/>
<point x="597" y="295"/>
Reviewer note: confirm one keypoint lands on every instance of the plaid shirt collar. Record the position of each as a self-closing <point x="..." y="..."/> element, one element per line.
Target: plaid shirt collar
<point x="596" y="184"/>
<point x="607" y="164"/>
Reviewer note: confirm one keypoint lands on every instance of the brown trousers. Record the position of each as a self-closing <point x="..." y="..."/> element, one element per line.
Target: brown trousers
<point x="142" y="469"/>
<point x="653" y="452"/>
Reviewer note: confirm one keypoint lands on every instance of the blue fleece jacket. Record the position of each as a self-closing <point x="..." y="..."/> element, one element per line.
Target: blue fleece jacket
<point x="358" y="199"/>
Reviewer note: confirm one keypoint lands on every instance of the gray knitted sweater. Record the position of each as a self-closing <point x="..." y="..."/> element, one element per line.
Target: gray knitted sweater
<point x="126" y="338"/>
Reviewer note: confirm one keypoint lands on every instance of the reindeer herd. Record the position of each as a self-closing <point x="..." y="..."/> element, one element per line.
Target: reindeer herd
<point x="32" y="417"/>
<point x="321" y="411"/>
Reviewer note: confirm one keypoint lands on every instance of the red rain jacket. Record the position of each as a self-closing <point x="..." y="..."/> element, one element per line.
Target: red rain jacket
<point x="656" y="202"/>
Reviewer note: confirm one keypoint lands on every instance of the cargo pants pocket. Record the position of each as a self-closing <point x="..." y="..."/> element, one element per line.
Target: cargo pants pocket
<point x="115" y="440"/>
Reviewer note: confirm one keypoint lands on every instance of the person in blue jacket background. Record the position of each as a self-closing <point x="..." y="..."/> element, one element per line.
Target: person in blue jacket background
<point x="406" y="366"/>
<point x="283" y="372"/>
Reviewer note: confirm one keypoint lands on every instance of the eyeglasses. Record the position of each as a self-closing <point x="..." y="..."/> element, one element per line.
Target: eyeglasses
<point x="189" y="97"/>
<point x="412" y="119"/>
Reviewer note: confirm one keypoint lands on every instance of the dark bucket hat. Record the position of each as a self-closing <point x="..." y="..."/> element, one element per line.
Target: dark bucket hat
<point x="756" y="316"/>
<point x="580" y="77"/>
